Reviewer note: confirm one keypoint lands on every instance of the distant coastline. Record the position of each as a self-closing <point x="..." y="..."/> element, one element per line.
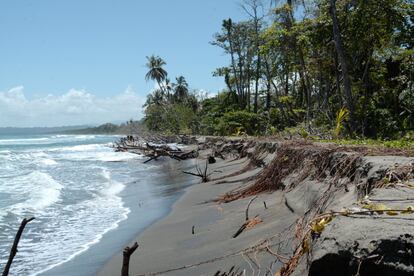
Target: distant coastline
<point x="130" y="127"/>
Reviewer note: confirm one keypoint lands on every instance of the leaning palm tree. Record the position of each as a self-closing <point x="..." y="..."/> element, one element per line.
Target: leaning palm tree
<point x="156" y="71"/>
<point x="181" y="88"/>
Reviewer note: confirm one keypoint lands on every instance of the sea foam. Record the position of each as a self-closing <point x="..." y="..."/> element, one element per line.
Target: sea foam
<point x="40" y="191"/>
<point x="72" y="190"/>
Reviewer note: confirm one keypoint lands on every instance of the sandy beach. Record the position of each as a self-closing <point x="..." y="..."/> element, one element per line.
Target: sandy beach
<point x="169" y="247"/>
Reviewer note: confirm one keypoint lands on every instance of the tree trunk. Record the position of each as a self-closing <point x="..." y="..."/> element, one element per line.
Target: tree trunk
<point x="344" y="66"/>
<point x="258" y="65"/>
<point x="256" y="91"/>
<point x="269" y="83"/>
<point x="128" y="251"/>
<point x="338" y="79"/>
<point x="233" y="63"/>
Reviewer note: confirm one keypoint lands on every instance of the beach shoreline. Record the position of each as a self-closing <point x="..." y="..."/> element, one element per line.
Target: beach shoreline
<point x="197" y="236"/>
<point x="162" y="190"/>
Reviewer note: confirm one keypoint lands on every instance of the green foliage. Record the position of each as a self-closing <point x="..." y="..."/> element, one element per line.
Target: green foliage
<point x="341" y="117"/>
<point x="276" y="118"/>
<point x="401" y="144"/>
<point x="235" y="122"/>
<point x="287" y="71"/>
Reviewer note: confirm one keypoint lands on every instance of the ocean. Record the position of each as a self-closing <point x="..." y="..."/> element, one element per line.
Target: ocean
<point x="88" y="200"/>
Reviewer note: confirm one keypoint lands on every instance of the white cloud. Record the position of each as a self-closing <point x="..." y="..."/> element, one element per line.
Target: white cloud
<point x="76" y="107"/>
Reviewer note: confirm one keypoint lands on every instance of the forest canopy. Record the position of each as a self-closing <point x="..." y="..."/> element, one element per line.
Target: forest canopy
<point x="342" y="66"/>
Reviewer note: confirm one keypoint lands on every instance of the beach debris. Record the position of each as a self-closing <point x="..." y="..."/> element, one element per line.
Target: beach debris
<point x="232" y="272"/>
<point x="14" y="250"/>
<point x="307" y="234"/>
<point x="193" y="230"/>
<point x="248" y="206"/>
<point x="249" y="223"/>
<point x="240" y="230"/>
<point x="154" y="148"/>
<point x="288" y="205"/>
<point x="211" y="160"/>
<point x="202" y="173"/>
<point x="253" y="222"/>
<point x="127" y="253"/>
<point x="301" y="160"/>
<point x="265" y="206"/>
<point x="397" y="176"/>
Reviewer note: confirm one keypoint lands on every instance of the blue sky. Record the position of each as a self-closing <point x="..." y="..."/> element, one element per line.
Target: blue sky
<point x="54" y="51"/>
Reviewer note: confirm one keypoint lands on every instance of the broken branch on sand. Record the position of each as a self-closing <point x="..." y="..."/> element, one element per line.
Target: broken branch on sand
<point x="127" y="253"/>
<point x="248" y="206"/>
<point x="203" y="174"/>
<point x="14" y="250"/>
<point x="247" y="220"/>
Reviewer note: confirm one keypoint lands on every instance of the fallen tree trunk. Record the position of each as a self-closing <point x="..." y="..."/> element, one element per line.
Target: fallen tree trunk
<point x="152" y="150"/>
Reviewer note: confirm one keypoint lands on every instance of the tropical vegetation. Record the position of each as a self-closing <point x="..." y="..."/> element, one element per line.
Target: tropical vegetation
<point x="342" y="66"/>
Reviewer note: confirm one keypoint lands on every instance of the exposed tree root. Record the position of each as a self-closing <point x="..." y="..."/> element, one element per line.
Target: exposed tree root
<point x="299" y="162"/>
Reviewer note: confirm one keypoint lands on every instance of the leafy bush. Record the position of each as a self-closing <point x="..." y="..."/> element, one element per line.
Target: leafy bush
<point x="241" y="121"/>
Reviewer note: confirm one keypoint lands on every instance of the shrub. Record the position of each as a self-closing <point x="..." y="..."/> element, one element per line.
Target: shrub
<point x="241" y="121"/>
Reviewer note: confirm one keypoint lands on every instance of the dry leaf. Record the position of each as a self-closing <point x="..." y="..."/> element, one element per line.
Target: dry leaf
<point x="253" y="222"/>
<point x="391" y="213"/>
<point x="319" y="226"/>
<point x="305" y="246"/>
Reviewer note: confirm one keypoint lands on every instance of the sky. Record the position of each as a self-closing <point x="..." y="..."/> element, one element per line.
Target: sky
<point x="83" y="61"/>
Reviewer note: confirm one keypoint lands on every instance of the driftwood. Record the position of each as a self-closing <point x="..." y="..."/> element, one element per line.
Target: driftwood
<point x="247" y="220"/>
<point x="232" y="272"/>
<point x="128" y="251"/>
<point x="211" y="160"/>
<point x="14" y="250"/>
<point x="248" y="206"/>
<point x="203" y="174"/>
<point x="153" y="149"/>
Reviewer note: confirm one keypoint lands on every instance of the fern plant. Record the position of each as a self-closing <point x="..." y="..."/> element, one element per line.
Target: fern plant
<point x="341" y="117"/>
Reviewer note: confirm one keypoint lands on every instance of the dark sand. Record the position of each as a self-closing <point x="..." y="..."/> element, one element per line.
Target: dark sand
<point x="168" y="247"/>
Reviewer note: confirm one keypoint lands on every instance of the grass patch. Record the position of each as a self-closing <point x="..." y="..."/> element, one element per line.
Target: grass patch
<point x="396" y="144"/>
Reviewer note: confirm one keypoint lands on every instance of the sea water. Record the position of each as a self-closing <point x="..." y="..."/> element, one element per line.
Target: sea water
<point x="88" y="201"/>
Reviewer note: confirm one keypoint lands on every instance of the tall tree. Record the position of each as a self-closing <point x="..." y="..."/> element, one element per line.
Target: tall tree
<point x="156" y="71"/>
<point x="181" y="89"/>
<point x="251" y="7"/>
<point x="343" y="63"/>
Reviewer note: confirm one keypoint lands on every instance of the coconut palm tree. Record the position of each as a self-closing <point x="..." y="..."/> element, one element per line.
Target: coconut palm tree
<point x="156" y="71"/>
<point x="181" y="88"/>
<point x="156" y="98"/>
<point x="168" y="87"/>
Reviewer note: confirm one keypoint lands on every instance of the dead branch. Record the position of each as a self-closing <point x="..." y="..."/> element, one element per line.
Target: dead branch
<point x="248" y="206"/>
<point x="288" y="205"/>
<point x="231" y="272"/>
<point x="14" y="250"/>
<point x="203" y="174"/>
<point x="128" y="251"/>
<point x="240" y="230"/>
<point x="247" y="220"/>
